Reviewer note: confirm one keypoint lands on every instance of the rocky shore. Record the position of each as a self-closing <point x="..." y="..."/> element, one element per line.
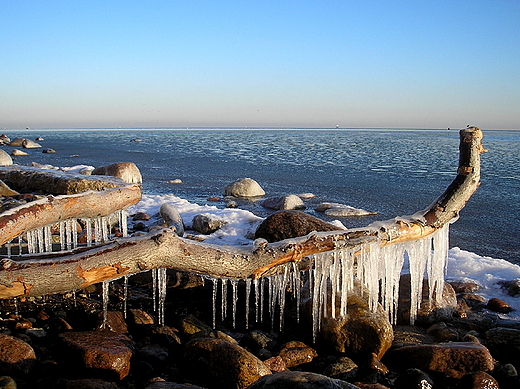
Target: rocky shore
<point x="69" y="341"/>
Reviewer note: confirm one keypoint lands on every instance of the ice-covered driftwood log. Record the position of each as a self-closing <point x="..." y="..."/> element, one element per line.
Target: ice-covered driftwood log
<point x="164" y="249"/>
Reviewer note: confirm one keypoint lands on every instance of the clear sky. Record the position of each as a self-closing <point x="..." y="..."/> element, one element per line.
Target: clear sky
<point x="151" y="63"/>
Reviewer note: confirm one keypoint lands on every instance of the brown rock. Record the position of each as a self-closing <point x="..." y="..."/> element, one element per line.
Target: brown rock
<point x="361" y="331"/>
<point x="99" y="351"/>
<point x="296" y="353"/>
<point x="141" y="317"/>
<point x="200" y="348"/>
<point x="90" y="383"/>
<point x="290" y="224"/>
<point x="276" y="364"/>
<point x="451" y="359"/>
<point x="465" y="286"/>
<point x="300" y="380"/>
<point x="472" y="300"/>
<point x="234" y="367"/>
<point x="115" y="322"/>
<point x="478" y="380"/>
<point x="364" y="385"/>
<point x="16" y="356"/>
<point x="498" y="305"/>
<point x="504" y="343"/>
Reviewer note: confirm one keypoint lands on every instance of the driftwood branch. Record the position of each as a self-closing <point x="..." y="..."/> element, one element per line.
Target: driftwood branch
<point x="164" y="249"/>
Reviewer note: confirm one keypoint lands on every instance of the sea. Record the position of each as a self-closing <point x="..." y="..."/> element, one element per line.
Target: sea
<point x="393" y="172"/>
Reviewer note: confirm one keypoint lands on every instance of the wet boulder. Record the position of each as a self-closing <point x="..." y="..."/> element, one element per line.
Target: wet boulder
<point x="453" y="360"/>
<point x="296" y="353"/>
<point x="127" y="171"/>
<point x="300" y="380"/>
<point x="290" y="224"/>
<point x="244" y="187"/>
<point x="16" y="356"/>
<point x="283" y="203"/>
<point x="341" y="210"/>
<point x="103" y="353"/>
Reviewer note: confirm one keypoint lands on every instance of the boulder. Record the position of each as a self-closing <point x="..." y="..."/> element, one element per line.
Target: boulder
<point x="300" y="380"/>
<point x="361" y="332"/>
<point x="127" y="171"/>
<point x="172" y="218"/>
<point x="453" y="360"/>
<point x="5" y="159"/>
<point x="17" y="142"/>
<point x="504" y="343"/>
<point x="478" y="380"/>
<point x="16" y="356"/>
<point x="234" y="367"/>
<point x="244" y="187"/>
<point x="53" y="181"/>
<point x="284" y="202"/>
<point x="206" y="223"/>
<point x="341" y="210"/>
<point x="290" y="224"/>
<point x="30" y="144"/>
<point x="18" y="153"/>
<point x="100" y="352"/>
<point x="296" y="353"/>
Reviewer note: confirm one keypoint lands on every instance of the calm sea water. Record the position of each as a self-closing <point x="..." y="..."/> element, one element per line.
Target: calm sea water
<point x="392" y="172"/>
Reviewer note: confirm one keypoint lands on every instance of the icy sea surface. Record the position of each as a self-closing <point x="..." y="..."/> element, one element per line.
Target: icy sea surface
<point x="391" y="172"/>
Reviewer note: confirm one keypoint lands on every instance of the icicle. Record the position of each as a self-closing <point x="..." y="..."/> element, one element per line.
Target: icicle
<point x="41" y="241"/>
<point x="282" y="285"/>
<point x="154" y="288"/>
<point x="161" y="294"/>
<point x="105" y="288"/>
<point x="8" y="245"/>
<point x="97" y="230"/>
<point x="418" y="254"/>
<point x="262" y="291"/>
<point x="256" y="284"/>
<point x="125" y="295"/>
<point x="223" y="286"/>
<point x="215" y="281"/>
<point x="234" y="300"/>
<point x="68" y="234"/>
<point x="123" y="222"/>
<point x="88" y="231"/>
<point x="62" y="234"/>
<point x="296" y="288"/>
<point x="48" y="239"/>
<point x="104" y="228"/>
<point x="248" y="295"/>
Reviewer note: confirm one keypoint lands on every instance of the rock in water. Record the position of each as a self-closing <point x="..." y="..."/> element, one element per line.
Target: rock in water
<point x="341" y="210"/>
<point x="18" y="153"/>
<point x="127" y="171"/>
<point x="285" y="202"/>
<point x="30" y="144"/>
<point x="5" y="159"/>
<point x="244" y="187"/>
<point x="290" y="224"/>
<point x="172" y="218"/>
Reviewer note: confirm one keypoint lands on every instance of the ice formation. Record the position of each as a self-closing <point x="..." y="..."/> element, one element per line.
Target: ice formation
<point x="330" y="280"/>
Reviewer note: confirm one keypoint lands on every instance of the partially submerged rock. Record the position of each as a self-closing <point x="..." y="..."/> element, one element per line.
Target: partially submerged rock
<point x="341" y="210"/>
<point x="288" y="202"/>
<point x="244" y="187"/>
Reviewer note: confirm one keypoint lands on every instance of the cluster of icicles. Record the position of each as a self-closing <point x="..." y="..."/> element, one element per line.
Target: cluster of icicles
<point x="40" y="240"/>
<point x="328" y="282"/>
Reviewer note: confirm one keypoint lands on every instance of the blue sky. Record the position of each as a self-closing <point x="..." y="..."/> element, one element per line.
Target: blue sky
<point x="418" y="64"/>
